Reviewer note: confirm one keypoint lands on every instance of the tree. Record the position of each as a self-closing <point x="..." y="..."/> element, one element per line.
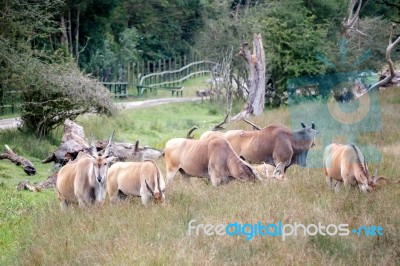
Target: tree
<point x="51" y="87"/>
<point x="256" y="65"/>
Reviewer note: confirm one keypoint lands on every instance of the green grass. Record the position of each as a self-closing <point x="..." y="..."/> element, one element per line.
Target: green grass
<point x="34" y="231"/>
<point x="154" y="126"/>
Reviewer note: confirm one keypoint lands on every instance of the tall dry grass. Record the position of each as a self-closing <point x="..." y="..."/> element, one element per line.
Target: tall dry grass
<point x="132" y="234"/>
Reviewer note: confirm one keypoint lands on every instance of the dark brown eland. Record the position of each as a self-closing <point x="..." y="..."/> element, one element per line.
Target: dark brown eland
<point x="209" y="158"/>
<point x="84" y="179"/>
<point x="276" y="145"/>
<point x="142" y="179"/>
<point x="346" y="164"/>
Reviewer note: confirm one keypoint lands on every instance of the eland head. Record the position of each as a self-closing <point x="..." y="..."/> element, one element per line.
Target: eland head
<point x="100" y="162"/>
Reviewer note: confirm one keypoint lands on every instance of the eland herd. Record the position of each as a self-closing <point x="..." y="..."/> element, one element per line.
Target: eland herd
<point x="217" y="156"/>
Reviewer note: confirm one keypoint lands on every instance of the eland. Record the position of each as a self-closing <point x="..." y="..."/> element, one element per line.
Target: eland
<point x="212" y="158"/>
<point x="276" y="145"/>
<point x="84" y="179"/>
<point x="346" y="164"/>
<point x="142" y="179"/>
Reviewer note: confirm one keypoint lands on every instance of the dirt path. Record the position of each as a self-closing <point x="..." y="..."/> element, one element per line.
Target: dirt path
<point x="14" y="122"/>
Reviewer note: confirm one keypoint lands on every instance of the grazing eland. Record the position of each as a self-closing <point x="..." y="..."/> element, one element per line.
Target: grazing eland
<point x="142" y="179"/>
<point x="276" y="145"/>
<point x="84" y="179"/>
<point x="210" y="158"/>
<point x="346" y="164"/>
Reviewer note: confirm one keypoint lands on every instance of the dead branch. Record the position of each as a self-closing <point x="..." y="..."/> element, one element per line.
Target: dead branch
<point x="26" y="185"/>
<point x="50" y="182"/>
<point x="219" y="126"/>
<point x="18" y="160"/>
<point x="130" y="152"/>
<point x="189" y="134"/>
<point x="353" y="16"/>
<point x="392" y="73"/>
<point x="255" y="127"/>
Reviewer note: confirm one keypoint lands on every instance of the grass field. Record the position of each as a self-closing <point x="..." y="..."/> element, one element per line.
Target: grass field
<point x="34" y="231"/>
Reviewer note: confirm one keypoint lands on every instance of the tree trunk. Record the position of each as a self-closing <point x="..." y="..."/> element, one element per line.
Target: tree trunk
<point x="70" y="32"/>
<point x="74" y="141"/>
<point x="77" y="37"/>
<point x="64" y="36"/>
<point x="256" y="66"/>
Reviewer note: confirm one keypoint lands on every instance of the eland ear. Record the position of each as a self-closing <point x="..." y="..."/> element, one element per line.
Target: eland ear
<point x="302" y="124"/>
<point x="312" y="125"/>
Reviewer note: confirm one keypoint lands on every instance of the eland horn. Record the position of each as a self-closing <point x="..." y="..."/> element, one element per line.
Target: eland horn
<point x="107" y="150"/>
<point x="93" y="148"/>
<point x="149" y="189"/>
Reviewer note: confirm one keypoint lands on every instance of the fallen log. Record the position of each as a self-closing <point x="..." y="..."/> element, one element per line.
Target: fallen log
<point x="73" y="141"/>
<point x="26" y="185"/>
<point x="131" y="152"/>
<point x="18" y="160"/>
<point x="50" y="182"/>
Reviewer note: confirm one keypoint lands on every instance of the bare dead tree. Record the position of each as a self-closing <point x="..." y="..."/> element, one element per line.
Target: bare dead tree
<point x="392" y="74"/>
<point x="349" y="23"/>
<point x="256" y="67"/>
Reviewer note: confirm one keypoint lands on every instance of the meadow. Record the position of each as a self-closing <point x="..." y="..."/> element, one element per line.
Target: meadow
<point x="33" y="230"/>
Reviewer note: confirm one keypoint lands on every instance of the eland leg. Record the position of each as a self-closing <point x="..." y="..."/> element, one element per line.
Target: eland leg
<point x="144" y="194"/>
<point x="64" y="205"/>
<point x="329" y="181"/>
<point x="338" y="185"/>
<point x="171" y="172"/>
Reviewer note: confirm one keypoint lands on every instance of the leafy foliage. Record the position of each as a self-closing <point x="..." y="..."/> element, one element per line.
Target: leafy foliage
<point x="51" y="88"/>
<point x="293" y="39"/>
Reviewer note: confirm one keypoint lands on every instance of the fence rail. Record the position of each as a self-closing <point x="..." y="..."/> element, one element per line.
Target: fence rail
<point x="171" y="78"/>
<point x="119" y="89"/>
